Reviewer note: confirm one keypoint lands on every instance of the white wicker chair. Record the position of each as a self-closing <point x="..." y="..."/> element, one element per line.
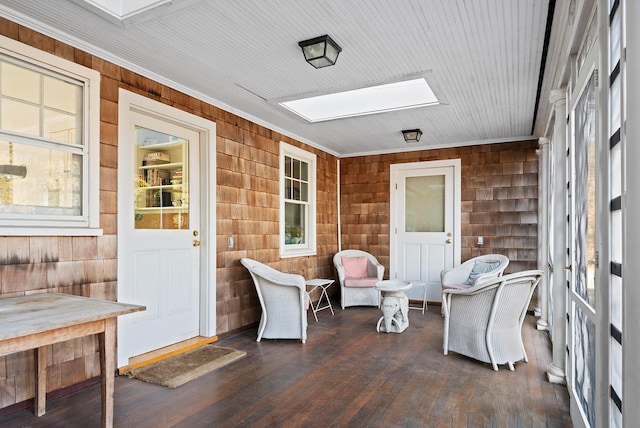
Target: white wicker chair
<point x="474" y="271"/>
<point x="284" y="301"/>
<point x="361" y="291"/>
<point x="485" y="321"/>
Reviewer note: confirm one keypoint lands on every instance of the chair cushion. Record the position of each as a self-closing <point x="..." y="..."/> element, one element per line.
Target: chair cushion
<point x="481" y="267"/>
<point x="360" y="282"/>
<point x="355" y="267"/>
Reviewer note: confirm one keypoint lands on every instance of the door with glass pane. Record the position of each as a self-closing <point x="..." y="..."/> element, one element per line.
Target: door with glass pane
<point x="581" y="372"/>
<point x="160" y="249"/>
<point x="423" y="225"/>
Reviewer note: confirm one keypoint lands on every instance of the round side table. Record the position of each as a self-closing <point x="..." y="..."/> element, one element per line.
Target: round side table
<point x="395" y="306"/>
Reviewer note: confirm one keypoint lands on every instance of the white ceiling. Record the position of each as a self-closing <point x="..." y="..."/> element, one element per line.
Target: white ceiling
<point x="482" y="59"/>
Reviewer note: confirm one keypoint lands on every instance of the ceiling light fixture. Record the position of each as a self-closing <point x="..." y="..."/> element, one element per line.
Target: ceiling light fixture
<point x="412" y="135"/>
<point x="321" y="51"/>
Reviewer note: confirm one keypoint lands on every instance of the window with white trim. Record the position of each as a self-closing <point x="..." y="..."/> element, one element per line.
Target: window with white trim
<point x="297" y="202"/>
<point x="49" y="144"/>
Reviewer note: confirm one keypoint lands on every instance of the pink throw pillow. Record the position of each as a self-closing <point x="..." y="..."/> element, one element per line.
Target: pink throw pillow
<point x="355" y="267"/>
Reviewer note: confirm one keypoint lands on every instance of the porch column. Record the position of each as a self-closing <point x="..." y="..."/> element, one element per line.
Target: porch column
<point x="631" y="225"/>
<point x="542" y="307"/>
<point x="556" y="372"/>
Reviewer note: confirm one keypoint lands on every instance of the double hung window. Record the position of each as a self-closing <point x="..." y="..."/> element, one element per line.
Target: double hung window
<point x="298" y="200"/>
<point x="49" y="143"/>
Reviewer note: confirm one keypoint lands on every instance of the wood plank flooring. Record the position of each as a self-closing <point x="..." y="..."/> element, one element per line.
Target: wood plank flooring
<point x="346" y="375"/>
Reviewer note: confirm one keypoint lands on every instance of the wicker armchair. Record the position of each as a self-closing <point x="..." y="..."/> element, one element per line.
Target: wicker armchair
<point x="284" y="301"/>
<point x="474" y="271"/>
<point x="358" y="289"/>
<point x="485" y="321"/>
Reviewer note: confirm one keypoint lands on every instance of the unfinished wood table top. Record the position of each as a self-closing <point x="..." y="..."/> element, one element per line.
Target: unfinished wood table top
<point x="38" y="313"/>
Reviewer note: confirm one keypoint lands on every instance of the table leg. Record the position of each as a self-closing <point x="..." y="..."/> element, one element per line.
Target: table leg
<point x="40" y="404"/>
<point x="107" y="369"/>
<point x="326" y="296"/>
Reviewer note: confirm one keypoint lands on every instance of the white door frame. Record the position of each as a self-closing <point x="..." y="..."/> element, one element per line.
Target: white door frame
<point x="129" y="101"/>
<point x="457" y="204"/>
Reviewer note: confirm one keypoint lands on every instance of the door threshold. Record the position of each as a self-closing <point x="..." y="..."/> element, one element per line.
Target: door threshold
<point x="166" y="352"/>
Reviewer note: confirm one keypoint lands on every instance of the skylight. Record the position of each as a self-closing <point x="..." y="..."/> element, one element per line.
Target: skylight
<point x="122" y="9"/>
<point x="359" y="102"/>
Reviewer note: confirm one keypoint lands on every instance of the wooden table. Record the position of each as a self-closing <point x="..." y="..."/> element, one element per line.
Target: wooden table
<point x="39" y="320"/>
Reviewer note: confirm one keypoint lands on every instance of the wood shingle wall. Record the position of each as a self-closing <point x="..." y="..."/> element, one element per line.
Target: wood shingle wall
<point x="499" y="200"/>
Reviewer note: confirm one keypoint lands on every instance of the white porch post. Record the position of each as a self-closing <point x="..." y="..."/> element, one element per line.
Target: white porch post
<point x="542" y="307"/>
<point x="631" y="225"/>
<point x="556" y="371"/>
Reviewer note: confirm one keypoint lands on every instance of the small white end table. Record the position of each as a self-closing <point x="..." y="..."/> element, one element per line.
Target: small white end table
<point x="395" y="306"/>
<point x="422" y="307"/>
<point x="324" y="285"/>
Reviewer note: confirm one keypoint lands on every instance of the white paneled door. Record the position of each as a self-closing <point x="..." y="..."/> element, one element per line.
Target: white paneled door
<point x="163" y="235"/>
<point x="425" y="223"/>
<point x="163" y="241"/>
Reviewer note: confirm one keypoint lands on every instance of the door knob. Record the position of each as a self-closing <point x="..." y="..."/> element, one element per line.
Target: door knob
<point x="196" y="243"/>
<point x="448" y="241"/>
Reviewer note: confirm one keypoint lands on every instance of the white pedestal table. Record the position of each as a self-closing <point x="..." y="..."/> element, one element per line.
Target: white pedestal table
<point x="395" y="306"/>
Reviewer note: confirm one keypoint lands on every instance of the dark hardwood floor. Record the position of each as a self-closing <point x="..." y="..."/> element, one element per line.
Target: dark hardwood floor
<point x="345" y="375"/>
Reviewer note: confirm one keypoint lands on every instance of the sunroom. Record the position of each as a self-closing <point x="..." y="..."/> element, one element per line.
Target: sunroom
<point x="194" y="130"/>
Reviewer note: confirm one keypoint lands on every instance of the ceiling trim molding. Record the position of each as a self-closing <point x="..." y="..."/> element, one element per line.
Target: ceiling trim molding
<point x="444" y="146"/>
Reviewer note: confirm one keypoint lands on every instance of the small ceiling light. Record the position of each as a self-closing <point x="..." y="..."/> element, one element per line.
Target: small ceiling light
<point x="321" y="51"/>
<point x="412" y="135"/>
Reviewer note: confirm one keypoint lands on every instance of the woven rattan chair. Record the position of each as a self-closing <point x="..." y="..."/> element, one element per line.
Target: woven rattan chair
<point x="358" y="290"/>
<point x="484" y="322"/>
<point x="284" y="301"/>
<point x="474" y="271"/>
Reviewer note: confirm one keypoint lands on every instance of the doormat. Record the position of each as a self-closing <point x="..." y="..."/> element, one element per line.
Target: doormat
<point x="180" y="369"/>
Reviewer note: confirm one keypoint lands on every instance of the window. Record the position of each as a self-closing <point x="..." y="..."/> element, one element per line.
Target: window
<point x="49" y="144"/>
<point x="297" y="202"/>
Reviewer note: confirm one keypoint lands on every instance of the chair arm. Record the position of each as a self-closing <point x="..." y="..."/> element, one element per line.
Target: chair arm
<point x="456" y="275"/>
<point x="485" y="277"/>
<point x="474" y="289"/>
<point x="284" y="279"/>
<point x="341" y="273"/>
<point x="380" y="272"/>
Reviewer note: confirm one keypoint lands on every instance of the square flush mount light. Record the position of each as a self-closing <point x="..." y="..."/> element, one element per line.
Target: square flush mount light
<point x="359" y="102"/>
<point x="321" y="51"/>
<point x="412" y="135"/>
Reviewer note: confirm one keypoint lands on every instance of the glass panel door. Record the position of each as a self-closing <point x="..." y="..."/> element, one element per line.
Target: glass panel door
<point x="582" y="328"/>
<point x="424" y="219"/>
